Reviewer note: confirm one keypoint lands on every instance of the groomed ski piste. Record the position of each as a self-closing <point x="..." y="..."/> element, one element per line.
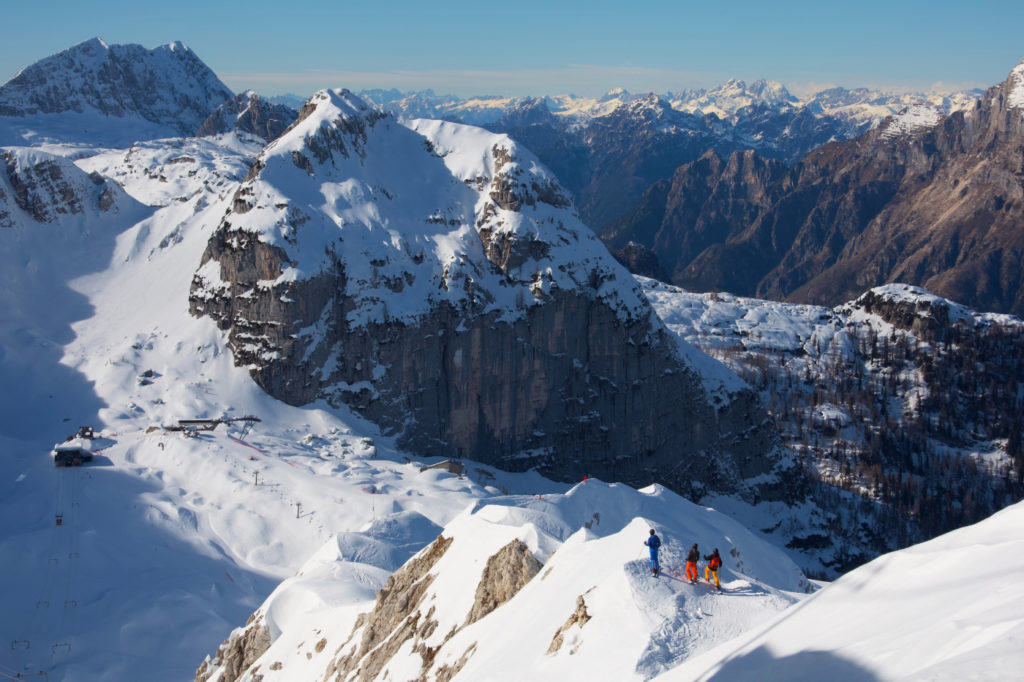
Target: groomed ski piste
<point x="167" y="544"/>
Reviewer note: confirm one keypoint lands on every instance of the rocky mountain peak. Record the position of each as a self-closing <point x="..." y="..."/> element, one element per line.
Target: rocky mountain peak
<point x="249" y="113"/>
<point x="168" y="87"/>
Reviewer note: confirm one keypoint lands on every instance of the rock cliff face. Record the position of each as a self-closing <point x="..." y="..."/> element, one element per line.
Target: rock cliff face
<point x="436" y="279"/>
<point x="931" y="200"/>
<point x="704" y="203"/>
<point x="249" y="113"/>
<point x="38" y="187"/>
<point x="237" y="653"/>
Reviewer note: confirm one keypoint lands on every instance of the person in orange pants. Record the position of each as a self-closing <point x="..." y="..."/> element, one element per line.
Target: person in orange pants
<point x="714" y="563"/>
<point x="691" y="563"/>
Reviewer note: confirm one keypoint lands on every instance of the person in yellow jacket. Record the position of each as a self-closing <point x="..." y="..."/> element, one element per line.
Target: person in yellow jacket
<point x="714" y="563"/>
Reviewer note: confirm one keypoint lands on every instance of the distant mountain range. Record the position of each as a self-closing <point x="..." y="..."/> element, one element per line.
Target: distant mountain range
<point x="607" y="151"/>
<point x="727" y="102"/>
<point x="925" y="198"/>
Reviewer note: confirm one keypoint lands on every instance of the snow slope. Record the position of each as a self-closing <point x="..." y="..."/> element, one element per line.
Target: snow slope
<point x="590" y="542"/>
<point x="948" y="609"/>
<point x="162" y="534"/>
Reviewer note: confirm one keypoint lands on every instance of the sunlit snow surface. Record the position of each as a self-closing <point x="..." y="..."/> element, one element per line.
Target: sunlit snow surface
<point x="908" y="120"/>
<point x="166" y="544"/>
<point x="948" y="609"/>
<point x="1016" y="97"/>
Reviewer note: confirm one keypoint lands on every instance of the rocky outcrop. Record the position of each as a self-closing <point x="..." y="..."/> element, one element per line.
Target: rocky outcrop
<point x="476" y="318"/>
<point x="48" y="188"/>
<point x="403" y="613"/>
<point x="237" y="653"/>
<point x="504" y="575"/>
<point x="641" y="260"/>
<point x="396" y="618"/>
<point x="578" y="619"/>
<point x="249" y="113"/>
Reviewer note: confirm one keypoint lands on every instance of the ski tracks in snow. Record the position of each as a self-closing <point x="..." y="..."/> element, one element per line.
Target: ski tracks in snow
<point x="687" y="619"/>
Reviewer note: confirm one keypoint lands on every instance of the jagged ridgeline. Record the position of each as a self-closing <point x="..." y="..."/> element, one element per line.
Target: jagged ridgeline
<point x="435" y="277"/>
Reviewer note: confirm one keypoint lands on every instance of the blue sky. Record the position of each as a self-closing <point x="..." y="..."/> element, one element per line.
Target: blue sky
<point x="537" y="47"/>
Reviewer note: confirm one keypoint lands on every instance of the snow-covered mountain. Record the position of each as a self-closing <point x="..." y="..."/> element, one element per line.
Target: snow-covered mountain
<point x="138" y="564"/>
<point x="109" y="94"/>
<point x="435" y="278"/>
<point x="726" y="100"/>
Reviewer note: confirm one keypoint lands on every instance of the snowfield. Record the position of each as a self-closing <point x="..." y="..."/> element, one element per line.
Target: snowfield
<point x="948" y="609"/>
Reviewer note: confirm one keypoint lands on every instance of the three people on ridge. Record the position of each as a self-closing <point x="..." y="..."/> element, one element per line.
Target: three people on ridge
<point x="653" y="542"/>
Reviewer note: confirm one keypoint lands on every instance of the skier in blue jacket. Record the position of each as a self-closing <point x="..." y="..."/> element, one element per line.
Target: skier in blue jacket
<point x="654" y="542"/>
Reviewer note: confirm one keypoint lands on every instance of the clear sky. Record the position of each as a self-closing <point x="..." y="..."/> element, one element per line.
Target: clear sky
<point x="520" y="47"/>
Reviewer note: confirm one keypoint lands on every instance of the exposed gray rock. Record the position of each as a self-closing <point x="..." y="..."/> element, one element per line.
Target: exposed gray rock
<point x="505" y="574"/>
<point x="578" y="618"/>
<point x="237" y="653"/>
<point x="395" y="619"/>
<point x="47" y="188"/>
<point x="249" y="113"/>
<point x="398" y="614"/>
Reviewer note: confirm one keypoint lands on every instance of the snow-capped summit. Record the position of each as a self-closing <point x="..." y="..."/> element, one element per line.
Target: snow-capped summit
<point x="910" y="120"/>
<point x="1015" y="98"/>
<point x="726" y="100"/>
<point x="615" y="94"/>
<point x="110" y="94"/>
